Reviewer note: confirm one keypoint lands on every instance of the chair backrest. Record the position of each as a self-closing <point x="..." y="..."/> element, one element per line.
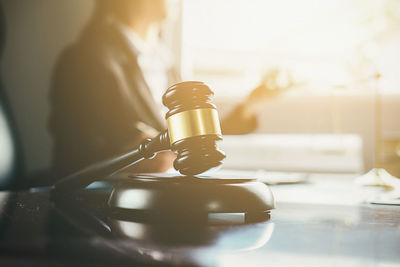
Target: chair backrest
<point x="7" y="149"/>
<point x="10" y="156"/>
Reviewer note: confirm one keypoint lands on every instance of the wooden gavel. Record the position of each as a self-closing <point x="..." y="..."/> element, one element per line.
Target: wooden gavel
<point x="193" y="132"/>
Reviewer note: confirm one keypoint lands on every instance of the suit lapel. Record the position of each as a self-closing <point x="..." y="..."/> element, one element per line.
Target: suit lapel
<point x="135" y="85"/>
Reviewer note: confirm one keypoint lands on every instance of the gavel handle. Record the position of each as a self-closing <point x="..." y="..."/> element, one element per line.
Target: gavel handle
<point x="100" y="170"/>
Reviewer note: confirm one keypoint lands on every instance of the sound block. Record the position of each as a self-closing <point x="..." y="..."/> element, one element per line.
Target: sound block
<point x="173" y="197"/>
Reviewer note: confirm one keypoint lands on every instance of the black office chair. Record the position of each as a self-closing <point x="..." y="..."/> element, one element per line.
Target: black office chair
<point x="11" y="160"/>
<point x="9" y="164"/>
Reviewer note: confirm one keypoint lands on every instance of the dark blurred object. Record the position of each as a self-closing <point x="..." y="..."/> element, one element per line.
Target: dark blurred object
<point x="11" y="165"/>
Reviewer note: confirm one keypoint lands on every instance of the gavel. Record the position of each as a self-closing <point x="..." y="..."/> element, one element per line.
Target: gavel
<point x="193" y="132"/>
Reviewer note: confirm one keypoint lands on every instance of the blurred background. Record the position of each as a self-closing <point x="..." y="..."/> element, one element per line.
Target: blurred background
<point x="340" y="59"/>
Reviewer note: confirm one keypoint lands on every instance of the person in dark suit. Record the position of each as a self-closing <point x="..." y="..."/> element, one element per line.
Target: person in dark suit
<point x="107" y="84"/>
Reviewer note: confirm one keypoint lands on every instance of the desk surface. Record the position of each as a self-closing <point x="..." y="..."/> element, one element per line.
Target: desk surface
<point x="36" y="230"/>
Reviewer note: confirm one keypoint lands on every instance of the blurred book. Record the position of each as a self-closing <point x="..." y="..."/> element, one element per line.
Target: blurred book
<point x="331" y="153"/>
<point x="266" y="177"/>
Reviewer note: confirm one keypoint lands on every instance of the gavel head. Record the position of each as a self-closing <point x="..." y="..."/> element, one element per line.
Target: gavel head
<point x="193" y="127"/>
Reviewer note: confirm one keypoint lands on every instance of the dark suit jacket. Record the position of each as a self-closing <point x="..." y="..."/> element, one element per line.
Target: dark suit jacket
<point x="98" y="94"/>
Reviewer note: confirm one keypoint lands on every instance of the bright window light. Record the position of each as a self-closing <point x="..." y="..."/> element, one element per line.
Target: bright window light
<point x="325" y="44"/>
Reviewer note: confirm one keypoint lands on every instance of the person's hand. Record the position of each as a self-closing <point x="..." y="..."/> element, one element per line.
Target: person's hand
<point x="274" y="83"/>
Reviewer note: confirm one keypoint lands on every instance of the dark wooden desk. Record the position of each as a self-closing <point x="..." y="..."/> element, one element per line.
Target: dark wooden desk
<point x="36" y="231"/>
